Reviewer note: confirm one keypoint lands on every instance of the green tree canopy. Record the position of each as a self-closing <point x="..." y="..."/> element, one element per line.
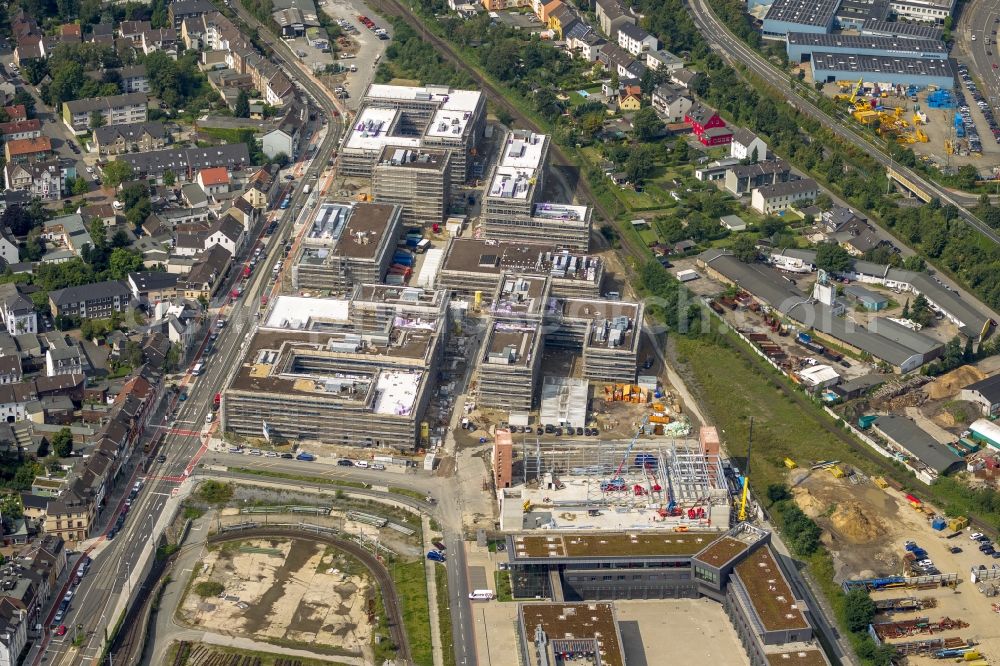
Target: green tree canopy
<point x="115" y="173"/>
<point x="62" y="443"/>
<point x="833" y="258"/>
<point x="745" y="248"/>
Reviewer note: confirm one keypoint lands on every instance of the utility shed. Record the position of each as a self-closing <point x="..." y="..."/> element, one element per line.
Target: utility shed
<point x="905" y="434"/>
<point x="866" y="298"/>
<point x="985" y="393"/>
<point x="986" y="431"/>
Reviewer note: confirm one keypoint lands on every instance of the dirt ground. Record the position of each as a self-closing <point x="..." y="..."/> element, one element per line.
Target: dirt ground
<point x="866" y="529"/>
<point x="284" y="591"/>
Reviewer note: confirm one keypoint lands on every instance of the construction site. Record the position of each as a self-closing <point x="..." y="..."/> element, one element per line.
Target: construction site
<point x="678" y="484"/>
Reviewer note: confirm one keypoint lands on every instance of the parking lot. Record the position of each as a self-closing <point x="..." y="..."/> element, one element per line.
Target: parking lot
<point x="364" y="50"/>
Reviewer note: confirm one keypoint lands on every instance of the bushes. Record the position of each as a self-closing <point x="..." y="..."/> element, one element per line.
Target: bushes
<point x="209" y="588"/>
<point x="215" y="492"/>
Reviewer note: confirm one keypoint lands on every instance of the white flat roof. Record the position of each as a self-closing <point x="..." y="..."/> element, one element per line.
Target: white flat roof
<point x="397" y="391"/>
<point x="295" y="312"/>
<point x="370" y="130"/>
<point x="451" y="99"/>
<point x="511" y="183"/>
<point x="448" y="123"/>
<point x="560" y="211"/>
<point x="523" y="152"/>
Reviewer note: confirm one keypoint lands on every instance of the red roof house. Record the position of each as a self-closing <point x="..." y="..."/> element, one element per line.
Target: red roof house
<point x="706" y="124"/>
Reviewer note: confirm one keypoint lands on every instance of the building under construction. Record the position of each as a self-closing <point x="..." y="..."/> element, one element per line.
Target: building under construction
<point x="355" y="372"/>
<point x="347" y="245"/>
<point x="473" y="265"/>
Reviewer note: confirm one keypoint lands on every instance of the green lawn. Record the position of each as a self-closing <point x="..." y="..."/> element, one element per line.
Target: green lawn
<point x="444" y="616"/>
<point x="732" y="390"/>
<point x="411" y="586"/>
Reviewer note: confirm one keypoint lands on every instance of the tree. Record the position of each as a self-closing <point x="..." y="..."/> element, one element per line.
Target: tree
<point x="209" y="589"/>
<point x="242" y="107"/>
<point x="97" y="120"/>
<point x="504" y="117"/>
<point x="79" y="186"/>
<point x="122" y="262"/>
<point x="62" y="443"/>
<point x="117" y="172"/>
<point x="771" y="226"/>
<point x="169" y="178"/>
<point x="906" y="309"/>
<point x="859" y="610"/>
<point x="682" y="151"/>
<point x="921" y="312"/>
<point x="646" y="124"/>
<point x="832" y="258"/>
<point x="26" y="473"/>
<point x="745" y="248"/>
<point x="639" y="164"/>
<point x="778" y="492"/>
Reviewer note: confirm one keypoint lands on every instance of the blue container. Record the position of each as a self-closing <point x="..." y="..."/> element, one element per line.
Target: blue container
<point x="939" y="524"/>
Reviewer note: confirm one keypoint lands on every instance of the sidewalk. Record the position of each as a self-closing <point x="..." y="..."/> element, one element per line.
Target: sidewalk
<point x="432" y="592"/>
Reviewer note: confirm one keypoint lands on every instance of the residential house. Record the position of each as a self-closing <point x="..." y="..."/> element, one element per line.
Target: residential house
<point x="29" y="48"/>
<point x="584" y="42"/>
<point x="206" y="275"/>
<point x="243" y="212"/>
<point x="190" y="243"/>
<point x="71" y="32"/>
<point x="259" y="188"/>
<point x="284" y="138"/>
<point x="620" y="61"/>
<point x="839" y="219"/>
<point x="747" y="146"/>
<point x="93" y="301"/>
<point x="630" y="99"/>
<point x="611" y="15"/>
<point x="659" y="60"/>
<point x="67" y="360"/>
<point x="10" y="370"/>
<point x="184" y="163"/>
<point x="152" y="286"/>
<point x="101" y="33"/>
<point x="17" y="312"/>
<point x="8" y="247"/>
<point x="743" y="178"/>
<point x="683" y="77"/>
<point x="781" y="196"/>
<point x="137" y="137"/>
<point x="116" y="110"/>
<point x="103" y="212"/>
<point x="182" y="9"/>
<point x="671" y="105"/>
<point x="132" y="31"/>
<point x="16" y="113"/>
<point x="69" y="232"/>
<point x="561" y="19"/>
<point x="134" y="79"/>
<point x="228" y="233"/>
<point x="159" y="39"/>
<point x="14" y="624"/>
<point x="635" y="40"/>
<point x="19" y="151"/>
<point x="213" y="181"/>
<point x="41" y="179"/>
<point x="21" y="129"/>
<point x="707" y="126"/>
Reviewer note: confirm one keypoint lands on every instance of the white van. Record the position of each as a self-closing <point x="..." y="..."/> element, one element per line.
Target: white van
<point x="361" y="463"/>
<point x="481" y="595"/>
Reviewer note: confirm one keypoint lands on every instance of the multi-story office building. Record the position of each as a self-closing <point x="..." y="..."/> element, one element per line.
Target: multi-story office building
<point x="415" y="117"/>
<point x="417" y="180"/>
<point x="607" y="332"/>
<point x="511" y="210"/>
<point x="356" y="372"/>
<point x="735" y="568"/>
<point x="473" y="265"/>
<point x="114" y="110"/>
<point x="346" y="245"/>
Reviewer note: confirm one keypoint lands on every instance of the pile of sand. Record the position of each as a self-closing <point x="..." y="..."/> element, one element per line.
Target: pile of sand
<point x="852" y="523"/>
<point x="952" y="382"/>
<point x="810" y="506"/>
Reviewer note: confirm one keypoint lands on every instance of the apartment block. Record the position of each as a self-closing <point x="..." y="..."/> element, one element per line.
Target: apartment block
<point x="355" y="372"/>
<point x="116" y="110"/>
<point x="347" y="245"/>
<point x="417" y="180"/>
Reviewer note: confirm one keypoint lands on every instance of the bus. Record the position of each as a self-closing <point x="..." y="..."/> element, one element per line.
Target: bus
<point x="198" y="367"/>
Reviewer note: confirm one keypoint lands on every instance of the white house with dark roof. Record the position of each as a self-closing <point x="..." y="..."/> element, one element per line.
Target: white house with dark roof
<point x="228" y="233"/>
<point x="744" y="144"/>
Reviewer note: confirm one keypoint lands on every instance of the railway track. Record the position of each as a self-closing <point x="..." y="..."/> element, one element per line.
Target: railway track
<point x="390" y="599"/>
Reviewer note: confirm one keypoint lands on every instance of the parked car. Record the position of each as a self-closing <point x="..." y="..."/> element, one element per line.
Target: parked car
<point x="344" y="462"/>
<point x="436" y="556"/>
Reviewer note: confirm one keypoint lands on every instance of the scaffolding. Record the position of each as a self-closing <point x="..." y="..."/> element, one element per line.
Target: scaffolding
<point x="669" y="473"/>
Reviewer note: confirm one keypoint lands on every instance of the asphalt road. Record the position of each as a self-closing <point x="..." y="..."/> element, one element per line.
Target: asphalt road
<point x="734" y="50"/>
<point x="980" y="18"/>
